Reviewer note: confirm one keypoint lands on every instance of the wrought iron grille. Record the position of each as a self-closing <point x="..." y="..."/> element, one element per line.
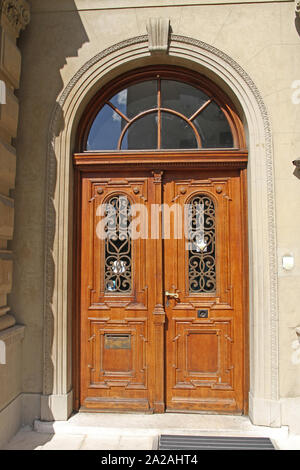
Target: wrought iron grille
<point x="118" y="246"/>
<point x="201" y="245"/>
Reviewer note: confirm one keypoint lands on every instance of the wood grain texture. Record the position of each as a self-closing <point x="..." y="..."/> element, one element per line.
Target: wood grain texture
<point x="205" y="356"/>
<point x="176" y="360"/>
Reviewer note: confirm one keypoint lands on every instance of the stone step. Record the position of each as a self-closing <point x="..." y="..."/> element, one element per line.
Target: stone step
<point x="109" y="424"/>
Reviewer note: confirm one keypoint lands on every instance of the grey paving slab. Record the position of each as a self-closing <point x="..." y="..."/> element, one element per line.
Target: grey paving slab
<point x="63" y="442"/>
<point x="110" y="424"/>
<point x="25" y="440"/>
<point x="108" y="431"/>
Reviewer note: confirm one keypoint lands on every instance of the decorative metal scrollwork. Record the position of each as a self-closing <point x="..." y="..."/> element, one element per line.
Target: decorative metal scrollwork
<point x="202" y="245"/>
<point x="118" y="246"/>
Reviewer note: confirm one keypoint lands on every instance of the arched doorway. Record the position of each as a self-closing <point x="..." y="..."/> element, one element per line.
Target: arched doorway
<point x="161" y="276"/>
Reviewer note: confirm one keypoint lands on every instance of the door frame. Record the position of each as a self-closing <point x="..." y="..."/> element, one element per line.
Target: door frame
<point x="58" y="310"/>
<point x="197" y="159"/>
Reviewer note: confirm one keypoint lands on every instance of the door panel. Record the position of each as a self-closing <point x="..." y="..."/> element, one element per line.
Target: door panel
<point x="204" y="337"/>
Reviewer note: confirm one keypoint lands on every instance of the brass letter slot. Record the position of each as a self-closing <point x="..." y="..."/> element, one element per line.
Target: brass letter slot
<point x="117" y="341"/>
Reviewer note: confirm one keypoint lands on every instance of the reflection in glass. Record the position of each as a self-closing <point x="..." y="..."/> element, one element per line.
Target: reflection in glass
<point x="142" y="134"/>
<point x="213" y="128"/>
<point x="176" y="133"/>
<point x="105" y="130"/>
<point x="181" y="97"/>
<point x="136" y="98"/>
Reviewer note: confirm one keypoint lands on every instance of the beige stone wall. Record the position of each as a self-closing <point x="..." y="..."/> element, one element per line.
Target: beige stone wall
<point x="8" y="130"/>
<point x="262" y="37"/>
<point x="11" y="371"/>
<point x="13" y="17"/>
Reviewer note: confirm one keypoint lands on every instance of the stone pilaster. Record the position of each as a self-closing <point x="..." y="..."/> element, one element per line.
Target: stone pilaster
<point x="14" y="16"/>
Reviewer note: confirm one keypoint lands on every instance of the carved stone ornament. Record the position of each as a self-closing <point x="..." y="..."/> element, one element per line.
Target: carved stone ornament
<point x="297" y="162"/>
<point x="158" y="30"/>
<point x="297" y="8"/>
<point x="15" y="14"/>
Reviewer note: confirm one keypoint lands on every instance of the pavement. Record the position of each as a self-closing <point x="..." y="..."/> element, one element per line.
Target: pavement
<point x="108" y="431"/>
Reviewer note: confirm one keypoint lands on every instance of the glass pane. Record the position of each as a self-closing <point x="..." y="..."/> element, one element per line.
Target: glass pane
<point x="118" y="249"/>
<point x="181" y="97"/>
<point x="105" y="130"/>
<point x="176" y="133"/>
<point x="201" y="245"/>
<point x="142" y="134"/>
<point x="136" y="98"/>
<point x="213" y="127"/>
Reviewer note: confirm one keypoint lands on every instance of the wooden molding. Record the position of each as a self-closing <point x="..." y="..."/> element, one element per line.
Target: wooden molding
<point x="206" y="159"/>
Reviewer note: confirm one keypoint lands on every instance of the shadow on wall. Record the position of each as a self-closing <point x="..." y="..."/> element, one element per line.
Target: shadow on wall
<point x="296" y="172"/>
<point x="49" y="40"/>
<point x="297" y="23"/>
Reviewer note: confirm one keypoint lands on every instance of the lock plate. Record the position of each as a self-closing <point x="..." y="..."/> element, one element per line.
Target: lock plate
<point x="202" y="313"/>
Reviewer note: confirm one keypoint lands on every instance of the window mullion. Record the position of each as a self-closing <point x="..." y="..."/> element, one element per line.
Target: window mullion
<point x="117" y="111"/>
<point x="200" y="110"/>
<point x="158" y="113"/>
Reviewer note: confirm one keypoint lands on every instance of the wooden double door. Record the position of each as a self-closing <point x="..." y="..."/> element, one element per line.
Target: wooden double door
<point x="162" y="283"/>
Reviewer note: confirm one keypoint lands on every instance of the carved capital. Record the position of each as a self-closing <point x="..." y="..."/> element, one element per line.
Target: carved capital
<point x="297" y="8"/>
<point x="15" y="15"/>
<point x="157" y="176"/>
<point x="158" y="30"/>
<point x="297" y="162"/>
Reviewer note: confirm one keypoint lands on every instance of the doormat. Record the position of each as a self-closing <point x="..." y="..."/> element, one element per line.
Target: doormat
<point x="169" y="442"/>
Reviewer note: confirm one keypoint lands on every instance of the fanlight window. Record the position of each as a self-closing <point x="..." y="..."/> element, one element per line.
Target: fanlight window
<point x="160" y="114"/>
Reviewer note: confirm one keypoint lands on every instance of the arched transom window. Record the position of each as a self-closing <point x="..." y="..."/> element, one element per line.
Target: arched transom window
<point x="160" y="111"/>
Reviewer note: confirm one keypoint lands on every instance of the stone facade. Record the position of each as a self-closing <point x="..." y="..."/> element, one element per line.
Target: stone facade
<point x="14" y="16"/>
<point x="69" y="50"/>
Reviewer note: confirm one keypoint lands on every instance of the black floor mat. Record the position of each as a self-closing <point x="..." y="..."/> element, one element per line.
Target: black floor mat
<point x="169" y="442"/>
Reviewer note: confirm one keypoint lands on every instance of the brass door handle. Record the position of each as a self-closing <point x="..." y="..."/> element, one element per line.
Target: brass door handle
<point x="172" y="294"/>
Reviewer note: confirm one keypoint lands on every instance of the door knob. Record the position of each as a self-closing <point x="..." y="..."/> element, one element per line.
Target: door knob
<point x="172" y="294"/>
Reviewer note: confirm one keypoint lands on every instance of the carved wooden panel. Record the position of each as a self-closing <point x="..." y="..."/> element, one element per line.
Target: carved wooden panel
<point x="202" y="355"/>
<point x="115" y="280"/>
<point x="102" y="194"/>
<point x="118" y="354"/>
<point x="218" y="191"/>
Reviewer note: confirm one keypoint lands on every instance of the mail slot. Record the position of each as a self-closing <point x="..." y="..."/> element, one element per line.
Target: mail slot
<point x="117" y="341"/>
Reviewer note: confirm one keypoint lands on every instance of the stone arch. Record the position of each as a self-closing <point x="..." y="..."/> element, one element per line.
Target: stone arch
<point x="57" y="383"/>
